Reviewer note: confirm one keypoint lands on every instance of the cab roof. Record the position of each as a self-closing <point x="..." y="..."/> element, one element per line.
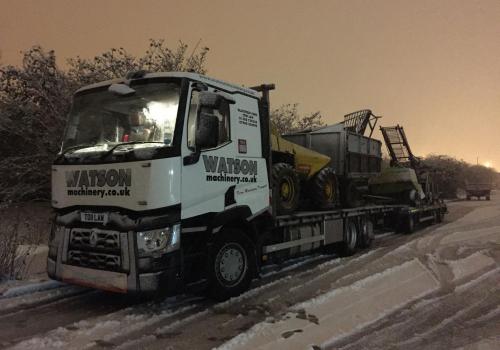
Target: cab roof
<point x="192" y="76"/>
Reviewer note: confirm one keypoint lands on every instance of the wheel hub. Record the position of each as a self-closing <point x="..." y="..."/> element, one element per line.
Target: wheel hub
<point x="231" y="262"/>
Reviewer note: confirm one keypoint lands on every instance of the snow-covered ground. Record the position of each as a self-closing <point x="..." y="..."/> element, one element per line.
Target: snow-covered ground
<point x="436" y="289"/>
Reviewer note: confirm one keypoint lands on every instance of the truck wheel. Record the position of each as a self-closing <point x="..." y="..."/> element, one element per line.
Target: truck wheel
<point x="366" y="233"/>
<point x="409" y="224"/>
<point x="324" y="189"/>
<point x="350" y="244"/>
<point x="487" y="198"/>
<point x="439" y="216"/>
<point x="232" y="265"/>
<point x="468" y="198"/>
<point x="286" y="183"/>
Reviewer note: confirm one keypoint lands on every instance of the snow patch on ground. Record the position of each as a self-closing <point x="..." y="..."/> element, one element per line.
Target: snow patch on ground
<point x="292" y="264"/>
<point x="468" y="266"/>
<point x="38" y="296"/>
<point x="484" y="318"/>
<point x="338" y="264"/>
<point x="338" y="313"/>
<point x="139" y="343"/>
<point x="31" y="288"/>
<point x="83" y="334"/>
<point x="481" y="278"/>
<point x="483" y="344"/>
<point x="252" y="292"/>
<point x="483" y="235"/>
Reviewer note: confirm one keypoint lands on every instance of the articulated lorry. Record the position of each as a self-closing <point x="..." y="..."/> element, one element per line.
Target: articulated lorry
<point x="167" y="181"/>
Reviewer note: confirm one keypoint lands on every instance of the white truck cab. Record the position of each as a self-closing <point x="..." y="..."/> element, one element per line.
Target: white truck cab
<point x="155" y="172"/>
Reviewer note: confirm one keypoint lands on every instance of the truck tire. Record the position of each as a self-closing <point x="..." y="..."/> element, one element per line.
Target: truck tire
<point x="409" y="224"/>
<point x="365" y="232"/>
<point x="323" y="189"/>
<point x="468" y="198"/>
<point x="287" y="188"/>
<point x="439" y="216"/>
<point x="487" y="198"/>
<point x="231" y="264"/>
<point x="351" y="234"/>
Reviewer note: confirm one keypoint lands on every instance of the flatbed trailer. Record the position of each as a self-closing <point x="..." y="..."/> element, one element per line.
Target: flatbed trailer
<point x="349" y="229"/>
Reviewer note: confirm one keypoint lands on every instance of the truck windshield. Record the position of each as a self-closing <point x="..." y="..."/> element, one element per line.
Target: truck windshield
<point x="101" y="120"/>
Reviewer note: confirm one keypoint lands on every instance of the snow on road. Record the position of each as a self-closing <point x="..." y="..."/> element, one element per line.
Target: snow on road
<point x="322" y="322"/>
<point x="438" y="288"/>
<point x="326" y="318"/>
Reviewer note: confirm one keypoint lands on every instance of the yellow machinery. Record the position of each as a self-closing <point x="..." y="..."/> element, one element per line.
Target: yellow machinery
<point x="301" y="172"/>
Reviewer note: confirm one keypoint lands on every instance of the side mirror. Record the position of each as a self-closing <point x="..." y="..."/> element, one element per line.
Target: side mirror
<point x="207" y="131"/>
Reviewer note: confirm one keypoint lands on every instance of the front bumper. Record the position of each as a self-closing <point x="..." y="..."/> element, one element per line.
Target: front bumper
<point x="112" y="262"/>
<point x="168" y="281"/>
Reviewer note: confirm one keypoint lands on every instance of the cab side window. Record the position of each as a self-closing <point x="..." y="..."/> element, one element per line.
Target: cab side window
<point x="222" y="114"/>
<point x="191" y="123"/>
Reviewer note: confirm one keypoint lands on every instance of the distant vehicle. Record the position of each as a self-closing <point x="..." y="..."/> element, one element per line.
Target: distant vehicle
<point x="478" y="190"/>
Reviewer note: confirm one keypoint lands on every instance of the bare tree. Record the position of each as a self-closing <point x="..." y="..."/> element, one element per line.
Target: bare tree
<point x="286" y="119"/>
<point x="36" y="96"/>
<point x="117" y="62"/>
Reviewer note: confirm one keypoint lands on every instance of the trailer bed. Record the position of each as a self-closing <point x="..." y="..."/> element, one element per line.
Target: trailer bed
<point x="307" y="230"/>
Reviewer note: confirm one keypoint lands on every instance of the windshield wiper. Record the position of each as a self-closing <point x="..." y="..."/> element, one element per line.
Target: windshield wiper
<point x="77" y="147"/>
<point x="112" y="149"/>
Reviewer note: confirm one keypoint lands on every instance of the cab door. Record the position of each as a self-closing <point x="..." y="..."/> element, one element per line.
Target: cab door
<point x="231" y="173"/>
<point x="203" y="188"/>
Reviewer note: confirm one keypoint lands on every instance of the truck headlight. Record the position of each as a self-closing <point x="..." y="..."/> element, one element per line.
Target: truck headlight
<point x="162" y="240"/>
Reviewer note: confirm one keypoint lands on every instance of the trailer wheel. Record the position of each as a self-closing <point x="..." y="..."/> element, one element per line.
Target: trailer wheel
<point x="409" y="224"/>
<point x="286" y="183"/>
<point x="232" y="264"/>
<point x="438" y="216"/>
<point x="324" y="189"/>
<point x="366" y="232"/>
<point x="350" y="244"/>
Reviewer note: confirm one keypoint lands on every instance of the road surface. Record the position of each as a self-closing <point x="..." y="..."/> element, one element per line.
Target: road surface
<point x="438" y="288"/>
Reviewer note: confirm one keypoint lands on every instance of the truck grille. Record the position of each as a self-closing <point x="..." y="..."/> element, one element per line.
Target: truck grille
<point x="95" y="239"/>
<point x="94" y="260"/>
<point x="95" y="248"/>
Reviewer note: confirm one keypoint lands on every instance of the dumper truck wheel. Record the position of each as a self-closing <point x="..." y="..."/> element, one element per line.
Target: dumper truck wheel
<point x="287" y="188"/>
<point x="232" y="264"/>
<point x="351" y="198"/>
<point x="324" y="189"/>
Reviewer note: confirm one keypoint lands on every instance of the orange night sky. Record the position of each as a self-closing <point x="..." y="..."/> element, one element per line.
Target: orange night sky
<point x="432" y="66"/>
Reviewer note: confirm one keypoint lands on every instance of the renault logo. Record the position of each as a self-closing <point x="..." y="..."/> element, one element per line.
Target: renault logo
<point x="93" y="238"/>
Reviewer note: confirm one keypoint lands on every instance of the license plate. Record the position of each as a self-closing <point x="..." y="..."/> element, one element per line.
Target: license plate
<point x="101" y="218"/>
